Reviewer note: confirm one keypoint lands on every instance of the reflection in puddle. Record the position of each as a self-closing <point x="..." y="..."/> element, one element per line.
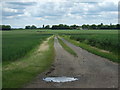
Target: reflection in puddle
<point x="59" y="79"/>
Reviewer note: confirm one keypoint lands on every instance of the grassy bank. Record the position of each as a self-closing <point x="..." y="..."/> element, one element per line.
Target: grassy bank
<point x="67" y="48"/>
<point x="107" y="42"/>
<point x="20" y="72"/>
<point x="97" y="51"/>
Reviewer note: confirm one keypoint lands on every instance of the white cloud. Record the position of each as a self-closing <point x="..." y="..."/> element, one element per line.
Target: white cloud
<point x="59" y="11"/>
<point x="10" y="10"/>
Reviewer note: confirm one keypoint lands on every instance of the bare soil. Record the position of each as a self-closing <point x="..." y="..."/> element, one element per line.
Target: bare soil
<point x="44" y="46"/>
<point x="92" y="71"/>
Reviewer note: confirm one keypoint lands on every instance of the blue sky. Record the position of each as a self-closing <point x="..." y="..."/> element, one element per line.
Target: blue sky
<point x="19" y="13"/>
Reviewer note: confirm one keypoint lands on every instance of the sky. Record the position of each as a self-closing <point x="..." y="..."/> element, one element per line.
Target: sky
<point x="19" y="13"/>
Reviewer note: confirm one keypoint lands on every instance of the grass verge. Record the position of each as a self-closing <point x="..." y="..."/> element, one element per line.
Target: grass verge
<point x="20" y="72"/>
<point x="97" y="51"/>
<point x="67" y="48"/>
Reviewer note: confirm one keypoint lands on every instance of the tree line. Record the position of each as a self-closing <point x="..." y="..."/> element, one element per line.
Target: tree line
<point x="84" y="26"/>
<point x="64" y="26"/>
<point x="101" y="26"/>
<point x="31" y="27"/>
<point x="5" y="27"/>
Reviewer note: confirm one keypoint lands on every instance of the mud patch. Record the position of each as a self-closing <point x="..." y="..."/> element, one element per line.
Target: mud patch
<point x="60" y="79"/>
<point x="51" y="70"/>
<point x="44" y="46"/>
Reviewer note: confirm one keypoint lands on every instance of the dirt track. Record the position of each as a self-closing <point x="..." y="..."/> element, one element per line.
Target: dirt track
<point x="93" y="71"/>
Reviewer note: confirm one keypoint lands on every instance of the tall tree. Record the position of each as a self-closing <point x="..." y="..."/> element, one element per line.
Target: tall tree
<point x="47" y="27"/>
<point x="27" y="27"/>
<point x="5" y="27"/>
<point x="43" y="26"/>
<point x="33" y="27"/>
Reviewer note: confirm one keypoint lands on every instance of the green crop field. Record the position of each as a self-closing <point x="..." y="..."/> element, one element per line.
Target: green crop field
<point x="107" y="42"/>
<point x="18" y="43"/>
<point x="82" y="31"/>
<point x="102" y="39"/>
<point x="20" y="56"/>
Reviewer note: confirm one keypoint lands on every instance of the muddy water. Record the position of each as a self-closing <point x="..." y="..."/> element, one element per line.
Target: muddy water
<point x="60" y="79"/>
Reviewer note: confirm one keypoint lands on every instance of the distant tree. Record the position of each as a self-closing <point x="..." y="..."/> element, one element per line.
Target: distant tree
<point x="118" y="26"/>
<point x="93" y="26"/>
<point x="66" y="27"/>
<point x="47" y="27"/>
<point x="111" y="26"/>
<point x="101" y="24"/>
<point x="54" y="26"/>
<point x="27" y="27"/>
<point x="85" y="26"/>
<point x="106" y="27"/>
<point x="60" y="26"/>
<point x="5" y="27"/>
<point x="30" y="27"/>
<point x="98" y="26"/>
<point x="43" y="26"/>
<point x="33" y="27"/>
<point x="74" y="26"/>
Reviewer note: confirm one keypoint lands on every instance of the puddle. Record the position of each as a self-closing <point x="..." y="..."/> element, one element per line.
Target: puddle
<point x="60" y="79"/>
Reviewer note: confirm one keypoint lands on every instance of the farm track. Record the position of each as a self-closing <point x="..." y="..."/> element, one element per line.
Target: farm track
<point x="91" y="70"/>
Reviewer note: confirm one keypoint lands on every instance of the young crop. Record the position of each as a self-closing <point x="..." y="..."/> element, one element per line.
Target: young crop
<point x="107" y="42"/>
<point x="17" y="45"/>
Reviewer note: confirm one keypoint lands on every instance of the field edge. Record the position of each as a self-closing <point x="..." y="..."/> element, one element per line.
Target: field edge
<point x="95" y="50"/>
<point x="27" y="70"/>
